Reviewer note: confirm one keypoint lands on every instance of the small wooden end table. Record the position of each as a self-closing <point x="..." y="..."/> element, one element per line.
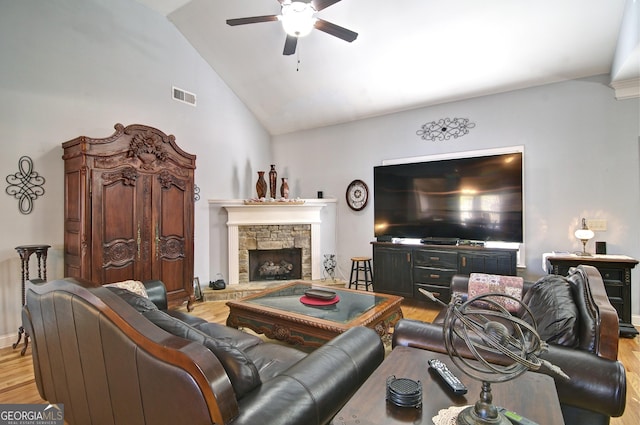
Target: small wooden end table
<point x="532" y="395"/>
<point x="25" y="252"/>
<point x="616" y="275"/>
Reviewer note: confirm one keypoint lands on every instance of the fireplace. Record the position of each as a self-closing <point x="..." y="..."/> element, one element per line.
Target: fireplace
<point x="275" y="264"/>
<point x="273" y="226"/>
<point x="282" y="251"/>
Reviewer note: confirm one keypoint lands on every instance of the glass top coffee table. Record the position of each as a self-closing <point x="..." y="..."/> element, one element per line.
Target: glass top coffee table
<point x="279" y="313"/>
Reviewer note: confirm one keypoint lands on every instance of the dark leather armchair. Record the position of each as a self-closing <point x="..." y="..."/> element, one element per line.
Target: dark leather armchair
<point x="597" y="388"/>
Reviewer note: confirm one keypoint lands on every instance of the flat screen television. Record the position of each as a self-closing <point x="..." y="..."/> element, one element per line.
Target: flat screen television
<point x="477" y="198"/>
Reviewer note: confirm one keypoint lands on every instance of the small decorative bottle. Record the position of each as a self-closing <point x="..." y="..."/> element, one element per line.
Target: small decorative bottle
<point x="261" y="185"/>
<point x="273" y="178"/>
<point x="284" y="188"/>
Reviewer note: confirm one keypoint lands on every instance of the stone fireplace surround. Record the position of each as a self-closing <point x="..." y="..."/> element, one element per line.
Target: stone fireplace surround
<point x="273" y="214"/>
<point x="273" y="243"/>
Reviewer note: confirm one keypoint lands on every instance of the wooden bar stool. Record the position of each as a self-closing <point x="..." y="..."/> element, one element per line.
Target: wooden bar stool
<point x="361" y="264"/>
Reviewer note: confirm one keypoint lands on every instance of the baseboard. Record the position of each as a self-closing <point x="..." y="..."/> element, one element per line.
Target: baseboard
<point x="635" y="320"/>
<point x="9" y="339"/>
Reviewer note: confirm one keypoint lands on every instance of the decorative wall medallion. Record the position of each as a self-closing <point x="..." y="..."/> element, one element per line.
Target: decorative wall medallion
<point x="25" y="185"/>
<point x="444" y="129"/>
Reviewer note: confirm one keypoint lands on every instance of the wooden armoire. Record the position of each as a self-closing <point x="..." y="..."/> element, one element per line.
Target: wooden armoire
<point x="129" y="210"/>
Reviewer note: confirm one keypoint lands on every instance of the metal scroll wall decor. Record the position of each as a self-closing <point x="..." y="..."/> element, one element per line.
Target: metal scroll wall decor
<point x="445" y="129"/>
<point x="196" y="193"/>
<point x="25" y="185"/>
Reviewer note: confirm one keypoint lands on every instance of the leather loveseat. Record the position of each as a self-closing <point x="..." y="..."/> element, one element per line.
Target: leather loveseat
<point x="113" y="357"/>
<point x="579" y="323"/>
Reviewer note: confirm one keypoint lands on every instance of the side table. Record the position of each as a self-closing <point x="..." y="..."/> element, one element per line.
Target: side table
<point x="616" y="275"/>
<point x="532" y="395"/>
<point x="25" y="251"/>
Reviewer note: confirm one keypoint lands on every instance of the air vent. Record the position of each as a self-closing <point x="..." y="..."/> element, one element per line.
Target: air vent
<point x="184" y="96"/>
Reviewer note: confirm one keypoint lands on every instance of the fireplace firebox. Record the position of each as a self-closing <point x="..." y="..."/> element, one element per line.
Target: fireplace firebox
<point x="275" y="264"/>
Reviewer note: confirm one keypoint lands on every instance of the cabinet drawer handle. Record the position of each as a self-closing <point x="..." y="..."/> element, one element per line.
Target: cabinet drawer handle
<point x="434" y="276"/>
<point x="464" y="261"/>
<point x="434" y="258"/>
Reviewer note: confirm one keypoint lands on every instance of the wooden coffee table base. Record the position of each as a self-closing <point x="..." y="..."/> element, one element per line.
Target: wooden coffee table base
<point x="532" y="395"/>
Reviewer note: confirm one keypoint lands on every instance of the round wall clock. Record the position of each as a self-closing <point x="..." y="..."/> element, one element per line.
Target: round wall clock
<point x="357" y="195"/>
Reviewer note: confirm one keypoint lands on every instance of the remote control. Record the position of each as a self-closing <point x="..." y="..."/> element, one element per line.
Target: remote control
<point x="515" y="418"/>
<point x="448" y="377"/>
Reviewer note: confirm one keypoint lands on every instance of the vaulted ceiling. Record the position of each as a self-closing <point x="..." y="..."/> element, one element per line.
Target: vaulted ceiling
<point x="408" y="54"/>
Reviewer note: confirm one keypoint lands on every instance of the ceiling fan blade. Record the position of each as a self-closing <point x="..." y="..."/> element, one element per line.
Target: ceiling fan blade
<point x="252" y="20"/>
<point x="290" y="45"/>
<point x="336" y="30"/>
<point x="323" y="4"/>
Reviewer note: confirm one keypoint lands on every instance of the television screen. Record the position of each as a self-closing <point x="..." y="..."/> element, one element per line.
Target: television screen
<point x="474" y="199"/>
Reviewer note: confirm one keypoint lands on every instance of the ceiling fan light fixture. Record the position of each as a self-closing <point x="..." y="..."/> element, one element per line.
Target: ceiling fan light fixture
<point x="297" y="18"/>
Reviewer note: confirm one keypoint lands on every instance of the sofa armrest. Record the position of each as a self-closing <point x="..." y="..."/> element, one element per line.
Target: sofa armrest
<point x="157" y="293"/>
<point x="604" y="315"/>
<point x="596" y="384"/>
<point x="318" y="385"/>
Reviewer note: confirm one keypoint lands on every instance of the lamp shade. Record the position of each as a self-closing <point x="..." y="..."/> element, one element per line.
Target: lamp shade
<point x="584" y="233"/>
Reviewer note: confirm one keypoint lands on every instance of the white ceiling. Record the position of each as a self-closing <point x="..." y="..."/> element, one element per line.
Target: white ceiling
<point x="409" y="53"/>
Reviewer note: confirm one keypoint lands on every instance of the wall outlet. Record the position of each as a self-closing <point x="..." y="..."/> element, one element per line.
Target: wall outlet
<point x="597" y="224"/>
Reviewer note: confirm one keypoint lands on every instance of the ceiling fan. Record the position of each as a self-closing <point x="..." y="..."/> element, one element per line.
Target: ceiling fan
<point x="298" y="19"/>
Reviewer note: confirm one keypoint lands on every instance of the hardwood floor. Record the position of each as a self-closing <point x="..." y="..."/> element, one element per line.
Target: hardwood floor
<point x="17" y="383"/>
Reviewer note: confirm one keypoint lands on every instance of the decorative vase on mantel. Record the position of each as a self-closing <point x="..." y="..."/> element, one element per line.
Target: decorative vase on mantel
<point x="273" y="178"/>
<point x="284" y="188"/>
<point x="261" y="185"/>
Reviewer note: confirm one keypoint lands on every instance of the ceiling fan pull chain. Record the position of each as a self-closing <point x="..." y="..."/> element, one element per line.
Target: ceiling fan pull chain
<point x="298" y="63"/>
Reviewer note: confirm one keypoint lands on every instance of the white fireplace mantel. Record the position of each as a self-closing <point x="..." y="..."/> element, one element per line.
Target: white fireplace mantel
<point x="240" y="214"/>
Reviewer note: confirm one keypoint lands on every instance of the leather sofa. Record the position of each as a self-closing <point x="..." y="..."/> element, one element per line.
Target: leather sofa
<point x="113" y="357"/>
<point x="581" y="327"/>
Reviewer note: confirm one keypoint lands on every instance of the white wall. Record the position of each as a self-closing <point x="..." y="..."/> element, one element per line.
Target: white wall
<point x="581" y="160"/>
<point x="77" y="67"/>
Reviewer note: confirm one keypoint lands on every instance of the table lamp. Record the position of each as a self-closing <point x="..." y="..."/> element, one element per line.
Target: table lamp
<point x="584" y="234"/>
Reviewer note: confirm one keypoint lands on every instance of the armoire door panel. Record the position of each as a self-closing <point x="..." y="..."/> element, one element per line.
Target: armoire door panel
<point x="116" y="236"/>
<point x="73" y="225"/>
<point x="173" y="227"/>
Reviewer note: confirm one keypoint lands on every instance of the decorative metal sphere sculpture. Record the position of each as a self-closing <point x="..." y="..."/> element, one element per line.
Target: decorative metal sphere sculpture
<point x="484" y="326"/>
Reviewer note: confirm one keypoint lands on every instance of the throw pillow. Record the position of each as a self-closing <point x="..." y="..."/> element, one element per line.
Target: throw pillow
<point x="134" y="286"/>
<point x="140" y="303"/>
<point x="241" y="371"/>
<point x="481" y="283"/>
<point x="550" y="300"/>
